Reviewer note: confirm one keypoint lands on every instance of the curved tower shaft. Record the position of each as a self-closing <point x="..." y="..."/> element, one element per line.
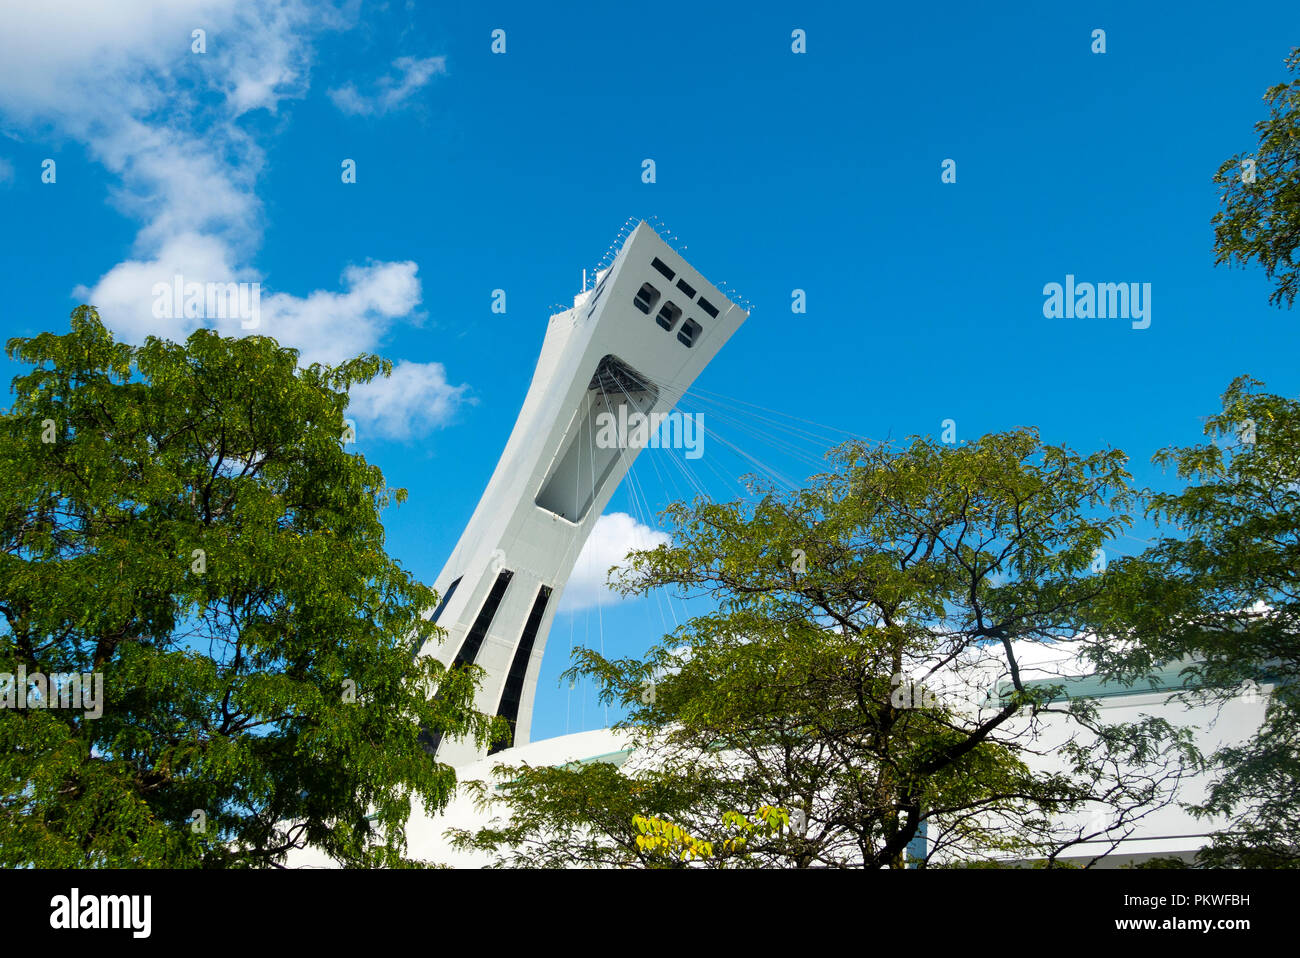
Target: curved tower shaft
<point x="636" y="341"/>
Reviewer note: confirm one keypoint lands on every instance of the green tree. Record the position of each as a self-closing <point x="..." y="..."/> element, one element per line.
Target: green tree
<point x="184" y="521"/>
<point x="1260" y="219"/>
<point x="1223" y="595"/>
<point x="579" y="815"/>
<point x="673" y="843"/>
<point x="862" y="670"/>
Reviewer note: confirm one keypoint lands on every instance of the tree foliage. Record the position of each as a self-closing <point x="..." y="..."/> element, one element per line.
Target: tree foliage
<point x="184" y="521"/>
<point x="1223" y="594"/>
<point x="862" y="670"/>
<point x="1260" y="219"/>
<point x="674" y="843"/>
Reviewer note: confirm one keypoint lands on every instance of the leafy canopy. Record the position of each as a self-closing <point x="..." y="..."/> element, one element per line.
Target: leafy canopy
<point x="845" y="675"/>
<point x="1224" y="595"/>
<point x="184" y="521"/>
<point x="1260" y="195"/>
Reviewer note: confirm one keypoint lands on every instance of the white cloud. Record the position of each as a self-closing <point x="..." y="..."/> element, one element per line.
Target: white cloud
<point x="390" y="92"/>
<point x="614" y="535"/>
<point x="328" y="327"/>
<point x="169" y="125"/>
<point x="6" y="171"/>
<point x="325" y="326"/>
<point x="124" y="294"/>
<point x="413" y="400"/>
<point x="84" y="66"/>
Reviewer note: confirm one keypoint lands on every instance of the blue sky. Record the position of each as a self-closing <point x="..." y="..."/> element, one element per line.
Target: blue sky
<point x="817" y="171"/>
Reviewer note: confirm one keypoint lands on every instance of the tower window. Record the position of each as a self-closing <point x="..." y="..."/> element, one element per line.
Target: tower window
<point x="708" y="307"/>
<point x="582" y="466"/>
<point x="686" y="288"/>
<point x="660" y="265"/>
<point x="689" y="332"/>
<point x="514" y="687"/>
<point x="442" y="604"/>
<point x="668" y="316"/>
<point x="432" y="738"/>
<point x="645" y="298"/>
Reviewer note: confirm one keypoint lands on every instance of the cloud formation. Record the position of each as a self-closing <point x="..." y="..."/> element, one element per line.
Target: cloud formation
<point x="614" y="535"/>
<point x="171" y="125"/>
<point x="391" y="92"/>
<point x="413" y="400"/>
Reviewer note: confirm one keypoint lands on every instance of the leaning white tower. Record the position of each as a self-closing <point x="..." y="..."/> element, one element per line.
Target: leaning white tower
<point x="638" y="338"/>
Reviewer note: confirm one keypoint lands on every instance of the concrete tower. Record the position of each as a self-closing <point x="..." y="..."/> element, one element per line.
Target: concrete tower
<point x="637" y="339"/>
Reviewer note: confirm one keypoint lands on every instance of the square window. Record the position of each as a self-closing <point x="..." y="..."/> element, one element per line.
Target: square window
<point x="686" y="288"/>
<point x="645" y="298"/>
<point x="689" y="332"/>
<point x="668" y="316"/>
